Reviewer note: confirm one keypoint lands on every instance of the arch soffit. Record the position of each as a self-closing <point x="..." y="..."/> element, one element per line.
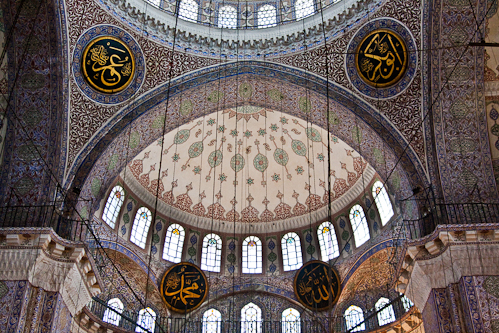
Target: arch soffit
<point x="104" y="156"/>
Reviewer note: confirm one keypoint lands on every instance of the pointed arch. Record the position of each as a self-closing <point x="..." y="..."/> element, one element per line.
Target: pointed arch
<point x="252" y="255"/>
<point x="290" y="319"/>
<point x="328" y="241"/>
<point x="354" y="319"/>
<point x="359" y="225"/>
<point x="211" y="256"/>
<point x="382" y="201"/>
<point x="146" y="319"/>
<point x="113" y="317"/>
<point x="291" y="251"/>
<point x="385" y="311"/>
<point x="251" y="319"/>
<point x="212" y="321"/>
<point x="113" y="206"/>
<point x="140" y="228"/>
<point x="174" y="242"/>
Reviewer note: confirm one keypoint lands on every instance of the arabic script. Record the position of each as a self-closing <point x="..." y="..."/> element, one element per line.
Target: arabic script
<point x="381" y="58"/>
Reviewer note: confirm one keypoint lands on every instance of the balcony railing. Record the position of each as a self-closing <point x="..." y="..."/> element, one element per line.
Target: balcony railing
<point x="459" y="213"/>
<point x="42" y="216"/>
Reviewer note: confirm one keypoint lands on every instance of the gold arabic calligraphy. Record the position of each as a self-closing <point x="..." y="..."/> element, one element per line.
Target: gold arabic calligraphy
<point x="184" y="287"/>
<point x="108" y="64"/>
<point x="381" y="58"/>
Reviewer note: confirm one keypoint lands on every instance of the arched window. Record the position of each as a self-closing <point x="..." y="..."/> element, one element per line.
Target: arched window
<point x="146" y="319"/>
<point x="304" y="8"/>
<point x="291" y="321"/>
<point x="406" y="302"/>
<point x="385" y="314"/>
<point x="267" y="16"/>
<point x="188" y="10"/>
<point x="212" y="321"/>
<point x="212" y="253"/>
<point x="227" y="17"/>
<point x="174" y="241"/>
<point x="291" y="251"/>
<point x="354" y="317"/>
<point x="140" y="228"/>
<point x="382" y="201"/>
<point x="251" y="319"/>
<point x="359" y="225"/>
<point x="113" y="205"/>
<point x="111" y="316"/>
<point x="328" y="241"/>
<point x="252" y="255"/>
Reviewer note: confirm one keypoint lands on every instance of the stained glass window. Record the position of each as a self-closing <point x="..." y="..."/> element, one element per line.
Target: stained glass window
<point x="146" y="319"/>
<point x="174" y="241"/>
<point x="304" y="8"/>
<point x="359" y="225"/>
<point x="113" y="205"/>
<point x="111" y="316"/>
<point x="353" y="317"/>
<point x="212" y="321"/>
<point x="267" y="16"/>
<point x="406" y="302"/>
<point x="291" y="321"/>
<point x="140" y="228"/>
<point x="227" y="17"/>
<point x="386" y="315"/>
<point x="383" y="203"/>
<point x="291" y="251"/>
<point x="188" y="10"/>
<point x="252" y="255"/>
<point x="212" y="253"/>
<point x="251" y="319"/>
<point x="328" y="241"/>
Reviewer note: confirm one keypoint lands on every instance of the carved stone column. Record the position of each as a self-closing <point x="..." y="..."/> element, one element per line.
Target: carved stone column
<point x="44" y="280"/>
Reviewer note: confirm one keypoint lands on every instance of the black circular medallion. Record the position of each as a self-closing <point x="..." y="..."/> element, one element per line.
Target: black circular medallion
<point x="317" y="285"/>
<point x="108" y="64"/>
<point x="381" y="58"/>
<point x="184" y="287"/>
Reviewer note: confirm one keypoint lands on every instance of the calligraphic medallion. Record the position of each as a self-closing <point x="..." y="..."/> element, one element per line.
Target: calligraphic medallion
<point x="184" y="287"/>
<point x="381" y="58"/>
<point x="317" y="285"/>
<point x="108" y="64"/>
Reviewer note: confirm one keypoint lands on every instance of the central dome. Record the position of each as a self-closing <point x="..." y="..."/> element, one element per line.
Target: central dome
<point x="248" y="165"/>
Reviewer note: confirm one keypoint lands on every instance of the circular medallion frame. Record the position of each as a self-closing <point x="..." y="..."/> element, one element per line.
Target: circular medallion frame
<point x="310" y="272"/>
<point x="171" y="280"/>
<point x="396" y="85"/>
<point x="92" y="37"/>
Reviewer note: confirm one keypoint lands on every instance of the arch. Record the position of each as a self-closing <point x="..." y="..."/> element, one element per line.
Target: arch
<point x="328" y="241"/>
<point x="227" y="17"/>
<point x="267" y="16"/>
<point x="212" y="321"/>
<point x="211" y="256"/>
<point x="304" y="8"/>
<point x="98" y="154"/>
<point x="251" y="318"/>
<point x="252" y="255"/>
<point x="383" y="202"/>
<point x="146" y="319"/>
<point x="354" y="319"/>
<point x="113" y="205"/>
<point x="406" y="302"/>
<point x="290" y="319"/>
<point x="174" y="242"/>
<point x="385" y="312"/>
<point x="113" y="317"/>
<point x="291" y="251"/>
<point x="359" y="225"/>
<point x="140" y="227"/>
<point x="188" y="10"/>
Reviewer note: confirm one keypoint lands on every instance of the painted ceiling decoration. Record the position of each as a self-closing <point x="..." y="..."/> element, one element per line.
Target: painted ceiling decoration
<point x="248" y="164"/>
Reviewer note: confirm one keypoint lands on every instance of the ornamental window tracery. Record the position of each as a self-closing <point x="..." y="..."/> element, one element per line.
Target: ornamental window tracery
<point x="227" y="17"/>
<point x="251" y="319"/>
<point x="188" y="10"/>
<point x="385" y="312"/>
<point x="110" y="316"/>
<point x="252" y="255"/>
<point x="140" y="228"/>
<point x="304" y="8"/>
<point x="174" y="242"/>
<point x="212" y="253"/>
<point x="113" y="206"/>
<point x="290" y="320"/>
<point x="359" y="225"/>
<point x="146" y="319"/>
<point x="212" y="321"/>
<point x="291" y="251"/>
<point x="267" y="16"/>
<point x="354" y="319"/>
<point x="382" y="201"/>
<point x="328" y="241"/>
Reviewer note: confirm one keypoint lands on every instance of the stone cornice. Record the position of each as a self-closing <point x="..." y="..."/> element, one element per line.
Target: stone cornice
<point x="211" y="41"/>
<point x="48" y="262"/>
